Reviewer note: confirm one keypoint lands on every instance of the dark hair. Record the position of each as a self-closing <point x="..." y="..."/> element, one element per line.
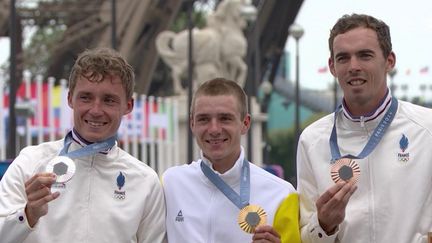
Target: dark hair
<point x="221" y="86"/>
<point x="349" y="22"/>
<point x="97" y="64"/>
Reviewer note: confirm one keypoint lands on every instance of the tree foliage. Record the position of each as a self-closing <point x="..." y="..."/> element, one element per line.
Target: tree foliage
<point x="282" y="143"/>
<point x="39" y="50"/>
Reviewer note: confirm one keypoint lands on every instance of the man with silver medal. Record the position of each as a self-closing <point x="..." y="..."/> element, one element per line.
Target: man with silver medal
<point x="364" y="171"/>
<point x="222" y="197"/>
<point x="84" y="188"/>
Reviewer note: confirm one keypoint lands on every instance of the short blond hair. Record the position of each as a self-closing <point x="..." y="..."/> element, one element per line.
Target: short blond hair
<point x="99" y="63"/>
<point x="222" y="86"/>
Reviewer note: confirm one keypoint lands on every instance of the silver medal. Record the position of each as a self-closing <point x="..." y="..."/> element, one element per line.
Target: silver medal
<point x="63" y="167"/>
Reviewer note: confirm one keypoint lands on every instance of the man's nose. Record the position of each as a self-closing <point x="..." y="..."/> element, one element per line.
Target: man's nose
<point x="355" y="65"/>
<point x="96" y="107"/>
<point x="214" y="126"/>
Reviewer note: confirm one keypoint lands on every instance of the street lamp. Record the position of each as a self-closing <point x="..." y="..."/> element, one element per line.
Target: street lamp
<point x="250" y="14"/>
<point x="296" y="31"/>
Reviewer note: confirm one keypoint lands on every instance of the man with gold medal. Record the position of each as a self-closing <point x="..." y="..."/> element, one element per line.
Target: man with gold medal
<point x="222" y="197"/>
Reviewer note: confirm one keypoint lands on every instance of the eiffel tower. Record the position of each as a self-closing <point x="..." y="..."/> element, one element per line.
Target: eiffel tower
<point x="137" y="24"/>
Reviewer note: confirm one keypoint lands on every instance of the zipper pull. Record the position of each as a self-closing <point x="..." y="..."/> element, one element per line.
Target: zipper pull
<point x="362" y="121"/>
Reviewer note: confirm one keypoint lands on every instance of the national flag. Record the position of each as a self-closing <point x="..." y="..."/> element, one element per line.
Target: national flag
<point x="424" y="70"/>
<point x="39" y="99"/>
<point x="322" y="69"/>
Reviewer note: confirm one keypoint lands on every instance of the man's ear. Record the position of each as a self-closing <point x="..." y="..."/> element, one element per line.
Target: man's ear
<point x="331" y="66"/>
<point x="130" y="104"/>
<point x="391" y="61"/>
<point x="69" y="98"/>
<point x="191" y="121"/>
<point x="246" y="124"/>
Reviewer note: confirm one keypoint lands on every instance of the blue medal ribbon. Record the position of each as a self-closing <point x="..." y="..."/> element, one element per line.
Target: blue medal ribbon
<point x="86" y="150"/>
<point x="241" y="200"/>
<point x="378" y="133"/>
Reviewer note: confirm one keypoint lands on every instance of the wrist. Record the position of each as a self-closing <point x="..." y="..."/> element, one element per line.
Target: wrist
<point x="31" y="220"/>
<point x="328" y="229"/>
<point x="331" y="231"/>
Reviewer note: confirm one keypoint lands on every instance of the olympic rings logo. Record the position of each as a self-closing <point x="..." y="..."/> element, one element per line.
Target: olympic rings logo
<point x="119" y="195"/>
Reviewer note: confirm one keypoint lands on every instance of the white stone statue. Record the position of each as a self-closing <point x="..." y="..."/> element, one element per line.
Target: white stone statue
<point x="218" y="49"/>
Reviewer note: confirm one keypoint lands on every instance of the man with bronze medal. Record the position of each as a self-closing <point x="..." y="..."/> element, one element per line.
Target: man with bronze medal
<point x="364" y="171"/>
<point x="222" y="197"/>
<point x="84" y="188"/>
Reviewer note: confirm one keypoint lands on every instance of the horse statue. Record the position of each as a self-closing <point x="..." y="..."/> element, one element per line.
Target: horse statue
<point x="218" y="48"/>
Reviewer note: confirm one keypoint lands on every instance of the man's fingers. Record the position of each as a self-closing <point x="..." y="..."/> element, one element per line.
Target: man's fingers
<point x="348" y="195"/>
<point x="38" y="181"/>
<point x="44" y="200"/>
<point x="266" y="228"/>
<point x="39" y="175"/>
<point x="343" y="195"/>
<point x="330" y="193"/>
<point x="265" y="233"/>
<point x="331" y="212"/>
<point x="38" y="194"/>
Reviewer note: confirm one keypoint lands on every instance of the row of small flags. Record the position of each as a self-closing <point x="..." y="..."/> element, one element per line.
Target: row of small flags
<point x="151" y="119"/>
<point x="423" y="70"/>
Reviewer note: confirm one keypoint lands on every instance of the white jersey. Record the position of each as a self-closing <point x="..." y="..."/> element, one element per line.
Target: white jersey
<point x="93" y="207"/>
<point x="198" y="212"/>
<point x="393" y="201"/>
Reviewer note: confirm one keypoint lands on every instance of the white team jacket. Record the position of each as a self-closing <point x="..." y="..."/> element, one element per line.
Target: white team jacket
<point x="92" y="207"/>
<point x="197" y="212"/>
<point x="393" y="201"/>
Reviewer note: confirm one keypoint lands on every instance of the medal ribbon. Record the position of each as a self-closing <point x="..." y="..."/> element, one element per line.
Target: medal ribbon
<point x="241" y="200"/>
<point x="377" y="134"/>
<point x="86" y="150"/>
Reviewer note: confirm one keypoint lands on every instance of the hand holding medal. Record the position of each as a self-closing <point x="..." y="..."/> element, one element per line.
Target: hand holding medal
<point x="345" y="168"/>
<point x="250" y="216"/>
<point x="63" y="165"/>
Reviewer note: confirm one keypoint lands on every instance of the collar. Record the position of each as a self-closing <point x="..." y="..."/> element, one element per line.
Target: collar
<point x="231" y="176"/>
<point x="381" y="108"/>
<point x="81" y="141"/>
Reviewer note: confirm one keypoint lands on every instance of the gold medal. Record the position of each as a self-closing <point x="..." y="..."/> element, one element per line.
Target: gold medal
<point x="250" y="217"/>
<point x="345" y="169"/>
<point x="63" y="167"/>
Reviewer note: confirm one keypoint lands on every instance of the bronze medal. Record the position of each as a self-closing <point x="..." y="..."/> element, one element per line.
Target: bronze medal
<point x="345" y="169"/>
<point x="250" y="217"/>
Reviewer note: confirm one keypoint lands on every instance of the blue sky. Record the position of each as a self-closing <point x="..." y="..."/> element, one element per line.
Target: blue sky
<point x="410" y="25"/>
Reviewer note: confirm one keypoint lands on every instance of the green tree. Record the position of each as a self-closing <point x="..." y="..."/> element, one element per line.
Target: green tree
<point x="282" y="147"/>
<point x="38" y="52"/>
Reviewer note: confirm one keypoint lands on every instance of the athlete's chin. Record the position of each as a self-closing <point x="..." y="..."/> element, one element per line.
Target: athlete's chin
<point x="95" y="136"/>
<point x="213" y="155"/>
